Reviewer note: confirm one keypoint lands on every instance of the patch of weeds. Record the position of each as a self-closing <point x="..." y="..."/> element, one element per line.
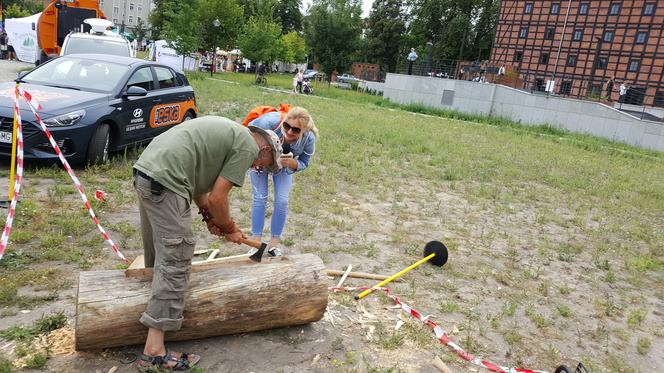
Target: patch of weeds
<point x="347" y="362"/>
<point x="509" y="308"/>
<point x="635" y="318"/>
<point x="512" y="337"/>
<point x="603" y="264"/>
<point x="124" y="228"/>
<point x="5" y="366"/>
<point x="538" y="319"/>
<point x="52" y="240"/>
<point x="449" y="307"/>
<point x="605" y="306"/>
<point x="564" y="289"/>
<point x="543" y="288"/>
<point x="418" y="334"/>
<point x="642" y="263"/>
<point x="387" y="338"/>
<point x="44" y="324"/>
<point x="288" y="242"/>
<point x="567" y="252"/>
<point x="22" y="236"/>
<point x="643" y="345"/>
<point x="610" y="277"/>
<point x="564" y="311"/>
<point x="37" y="361"/>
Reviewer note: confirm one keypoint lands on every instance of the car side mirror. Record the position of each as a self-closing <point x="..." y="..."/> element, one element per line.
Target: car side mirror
<point x="135" y="91"/>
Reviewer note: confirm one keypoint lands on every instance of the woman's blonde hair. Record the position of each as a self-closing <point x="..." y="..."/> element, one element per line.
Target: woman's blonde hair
<point x="303" y="117"/>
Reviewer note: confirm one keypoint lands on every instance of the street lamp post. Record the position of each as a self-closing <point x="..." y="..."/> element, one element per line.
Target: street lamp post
<point x="216" y="25"/>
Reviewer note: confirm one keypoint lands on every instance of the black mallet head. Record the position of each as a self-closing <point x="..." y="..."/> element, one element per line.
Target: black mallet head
<point x="436" y="247"/>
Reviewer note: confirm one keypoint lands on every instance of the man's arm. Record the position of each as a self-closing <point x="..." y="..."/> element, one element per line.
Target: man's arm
<point x="218" y="207"/>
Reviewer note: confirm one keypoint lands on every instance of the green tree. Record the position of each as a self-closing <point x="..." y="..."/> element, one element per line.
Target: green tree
<point x="332" y="31"/>
<point x="181" y="28"/>
<point x="386" y="26"/>
<point x="15" y="11"/>
<point x="294" y="48"/>
<point x="458" y="29"/>
<point x="288" y="13"/>
<point x="260" y="40"/>
<point x="140" y="31"/>
<point x="159" y="16"/>
<point x="229" y="13"/>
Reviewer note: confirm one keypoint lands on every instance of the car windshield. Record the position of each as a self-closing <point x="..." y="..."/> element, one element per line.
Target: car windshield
<point x="78" y="73"/>
<point x="96" y="45"/>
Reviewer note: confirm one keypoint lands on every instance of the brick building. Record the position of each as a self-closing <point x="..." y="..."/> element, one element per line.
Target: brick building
<point x="581" y="45"/>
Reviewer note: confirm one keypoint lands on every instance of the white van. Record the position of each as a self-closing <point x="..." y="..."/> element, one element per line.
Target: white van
<point x="100" y="40"/>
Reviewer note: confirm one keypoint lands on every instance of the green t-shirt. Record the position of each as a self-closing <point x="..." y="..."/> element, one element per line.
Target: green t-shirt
<point x="188" y="158"/>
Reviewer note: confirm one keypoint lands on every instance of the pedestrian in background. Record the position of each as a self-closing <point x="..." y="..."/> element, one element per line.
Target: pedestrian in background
<point x="3" y="45"/>
<point x="412" y="56"/>
<point x="623" y="92"/>
<point x="609" y="88"/>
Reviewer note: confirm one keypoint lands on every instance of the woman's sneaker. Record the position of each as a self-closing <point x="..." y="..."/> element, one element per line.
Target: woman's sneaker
<point x="274" y="251"/>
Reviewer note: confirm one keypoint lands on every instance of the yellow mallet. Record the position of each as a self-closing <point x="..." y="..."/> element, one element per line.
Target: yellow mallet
<point x="434" y="252"/>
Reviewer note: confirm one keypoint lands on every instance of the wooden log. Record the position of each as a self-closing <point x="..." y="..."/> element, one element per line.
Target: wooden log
<point x="227" y="298"/>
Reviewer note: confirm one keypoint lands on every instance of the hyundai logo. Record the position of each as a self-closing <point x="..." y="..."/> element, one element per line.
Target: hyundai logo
<point x="138" y="113"/>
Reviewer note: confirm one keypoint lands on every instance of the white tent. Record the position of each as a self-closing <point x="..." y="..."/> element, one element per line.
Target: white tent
<point x="22" y="33"/>
<point x="169" y="57"/>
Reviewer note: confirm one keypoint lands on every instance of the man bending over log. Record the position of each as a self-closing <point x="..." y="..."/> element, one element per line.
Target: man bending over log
<point x="199" y="160"/>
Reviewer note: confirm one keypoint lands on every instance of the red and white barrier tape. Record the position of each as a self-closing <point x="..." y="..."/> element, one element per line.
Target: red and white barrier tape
<point x="4" y="241"/>
<point x="32" y="103"/>
<point x="442" y="336"/>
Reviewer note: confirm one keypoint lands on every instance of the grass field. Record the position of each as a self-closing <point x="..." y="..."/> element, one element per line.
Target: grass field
<point x="556" y="239"/>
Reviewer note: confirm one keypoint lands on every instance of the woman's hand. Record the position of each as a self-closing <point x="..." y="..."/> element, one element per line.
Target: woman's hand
<point x="289" y="162"/>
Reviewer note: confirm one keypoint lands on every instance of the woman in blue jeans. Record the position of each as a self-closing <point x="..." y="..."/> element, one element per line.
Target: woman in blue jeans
<point x="298" y="134"/>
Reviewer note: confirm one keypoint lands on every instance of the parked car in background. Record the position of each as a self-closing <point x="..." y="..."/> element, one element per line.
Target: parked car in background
<point x="347" y="78"/>
<point x="309" y="74"/>
<point x="99" y="40"/>
<point x="94" y="105"/>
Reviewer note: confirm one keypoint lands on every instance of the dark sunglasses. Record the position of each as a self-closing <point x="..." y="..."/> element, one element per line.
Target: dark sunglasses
<point x="288" y="127"/>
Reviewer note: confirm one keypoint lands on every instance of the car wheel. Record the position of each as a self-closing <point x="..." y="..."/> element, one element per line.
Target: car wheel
<point x="99" y="145"/>
<point x="188" y="116"/>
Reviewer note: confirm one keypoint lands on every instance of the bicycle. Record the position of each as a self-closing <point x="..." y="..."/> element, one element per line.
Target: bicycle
<point x="261" y="80"/>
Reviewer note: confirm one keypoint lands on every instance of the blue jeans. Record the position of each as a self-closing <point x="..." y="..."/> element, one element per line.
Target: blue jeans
<point x="282" y="182"/>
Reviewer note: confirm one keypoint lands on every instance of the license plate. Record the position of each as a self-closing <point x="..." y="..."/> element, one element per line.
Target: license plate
<point x="6" y="137"/>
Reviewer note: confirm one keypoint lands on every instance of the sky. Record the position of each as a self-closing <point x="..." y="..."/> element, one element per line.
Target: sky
<point x="366" y="6"/>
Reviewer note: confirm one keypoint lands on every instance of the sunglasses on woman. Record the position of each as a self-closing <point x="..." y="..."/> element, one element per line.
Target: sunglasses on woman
<point x="288" y="127"/>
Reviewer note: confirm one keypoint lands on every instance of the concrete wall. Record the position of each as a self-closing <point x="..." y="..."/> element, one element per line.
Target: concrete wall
<point x="526" y="108"/>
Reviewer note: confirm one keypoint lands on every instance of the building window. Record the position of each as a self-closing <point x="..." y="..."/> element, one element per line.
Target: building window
<point x="615" y="9"/>
<point x="549" y="33"/>
<point x="649" y="9"/>
<point x="544" y="58"/>
<point x="633" y="65"/>
<point x="131" y="20"/>
<point x="571" y="61"/>
<point x="659" y="99"/>
<point x="608" y="36"/>
<point x="603" y="63"/>
<point x="555" y="8"/>
<point x="539" y="85"/>
<point x="641" y="37"/>
<point x="115" y="20"/>
<point x="101" y="3"/>
<point x="523" y="33"/>
<point x="116" y="10"/>
<point x="566" y="88"/>
<point x="583" y="8"/>
<point x="577" y="35"/>
<point x="138" y="19"/>
<point x="131" y="7"/>
<point x="528" y="9"/>
<point x="140" y="9"/>
<point x="518" y="56"/>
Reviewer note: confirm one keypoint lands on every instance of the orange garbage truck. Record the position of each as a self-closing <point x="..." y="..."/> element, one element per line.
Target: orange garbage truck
<point x="59" y="19"/>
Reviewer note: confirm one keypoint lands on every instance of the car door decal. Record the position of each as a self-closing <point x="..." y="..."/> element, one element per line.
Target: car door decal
<point x="167" y="114"/>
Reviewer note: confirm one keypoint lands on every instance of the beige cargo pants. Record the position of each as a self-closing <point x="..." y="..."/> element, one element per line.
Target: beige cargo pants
<point x="168" y="246"/>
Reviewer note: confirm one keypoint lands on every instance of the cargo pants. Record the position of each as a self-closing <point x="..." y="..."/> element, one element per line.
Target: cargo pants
<point x="168" y="246"/>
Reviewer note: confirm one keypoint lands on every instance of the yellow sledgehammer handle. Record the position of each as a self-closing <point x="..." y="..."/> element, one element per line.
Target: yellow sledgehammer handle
<point x="393" y="277"/>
